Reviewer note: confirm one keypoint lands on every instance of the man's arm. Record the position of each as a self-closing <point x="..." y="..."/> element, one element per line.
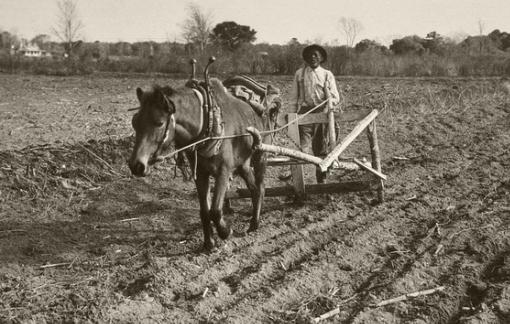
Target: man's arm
<point x="333" y="90"/>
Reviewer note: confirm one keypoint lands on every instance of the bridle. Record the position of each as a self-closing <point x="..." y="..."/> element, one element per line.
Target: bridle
<point x="156" y="156"/>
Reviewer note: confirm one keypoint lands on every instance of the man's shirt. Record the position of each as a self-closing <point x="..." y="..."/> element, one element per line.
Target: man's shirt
<point x="308" y="88"/>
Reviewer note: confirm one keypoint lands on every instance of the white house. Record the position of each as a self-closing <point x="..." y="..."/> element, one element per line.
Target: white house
<point x="32" y="50"/>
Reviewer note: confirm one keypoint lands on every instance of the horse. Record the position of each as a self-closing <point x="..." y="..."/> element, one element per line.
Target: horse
<point x="176" y="116"/>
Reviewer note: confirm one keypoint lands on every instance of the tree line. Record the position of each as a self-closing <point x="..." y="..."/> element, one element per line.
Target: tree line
<point x="408" y="56"/>
<point x="233" y="46"/>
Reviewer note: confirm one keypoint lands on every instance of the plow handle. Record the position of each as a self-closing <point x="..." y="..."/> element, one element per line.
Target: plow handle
<point x="331" y="121"/>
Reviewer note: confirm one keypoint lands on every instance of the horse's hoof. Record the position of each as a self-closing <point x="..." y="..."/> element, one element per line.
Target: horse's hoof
<point x="224" y="232"/>
<point x="209" y="246"/>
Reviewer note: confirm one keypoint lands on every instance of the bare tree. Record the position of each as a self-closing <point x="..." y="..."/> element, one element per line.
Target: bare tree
<point x="197" y="26"/>
<point x="481" y="28"/>
<point x="351" y="29"/>
<point x="69" y="25"/>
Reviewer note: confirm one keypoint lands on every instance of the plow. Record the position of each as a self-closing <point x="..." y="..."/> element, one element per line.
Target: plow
<point x="296" y="159"/>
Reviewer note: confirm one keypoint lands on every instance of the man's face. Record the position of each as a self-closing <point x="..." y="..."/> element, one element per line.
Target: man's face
<point x="314" y="59"/>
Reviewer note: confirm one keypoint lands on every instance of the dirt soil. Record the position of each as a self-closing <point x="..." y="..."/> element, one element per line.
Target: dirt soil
<point x="83" y="241"/>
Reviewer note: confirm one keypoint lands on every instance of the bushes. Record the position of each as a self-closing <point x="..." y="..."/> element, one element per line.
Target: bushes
<point x="484" y="66"/>
<point x="378" y="64"/>
<point x="271" y="59"/>
<point x="45" y="66"/>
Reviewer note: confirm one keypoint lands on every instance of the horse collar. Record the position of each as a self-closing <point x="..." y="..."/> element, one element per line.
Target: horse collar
<point x="203" y="115"/>
<point x="211" y="123"/>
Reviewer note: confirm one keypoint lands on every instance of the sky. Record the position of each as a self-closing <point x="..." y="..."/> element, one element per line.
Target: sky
<point x="276" y="21"/>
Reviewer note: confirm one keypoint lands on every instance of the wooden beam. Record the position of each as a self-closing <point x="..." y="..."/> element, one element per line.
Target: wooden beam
<point x="331" y="128"/>
<point x="298" y="177"/>
<point x="342" y="187"/>
<point x="351" y="116"/>
<point x="331" y="120"/>
<point x="376" y="156"/>
<point x="369" y="169"/>
<point x="346" y="164"/>
<point x="258" y="145"/>
<point x="283" y="159"/>
<point x="341" y="117"/>
<point x="317" y="118"/>
<point x="333" y="155"/>
<point x="290" y="152"/>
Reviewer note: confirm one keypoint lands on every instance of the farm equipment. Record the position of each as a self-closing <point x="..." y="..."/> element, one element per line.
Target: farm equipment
<point x="296" y="159"/>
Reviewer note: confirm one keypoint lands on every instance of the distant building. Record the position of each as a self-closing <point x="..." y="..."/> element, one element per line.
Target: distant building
<point x="32" y="50"/>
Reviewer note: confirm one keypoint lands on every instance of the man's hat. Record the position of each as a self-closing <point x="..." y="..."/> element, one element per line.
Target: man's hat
<point x="307" y="51"/>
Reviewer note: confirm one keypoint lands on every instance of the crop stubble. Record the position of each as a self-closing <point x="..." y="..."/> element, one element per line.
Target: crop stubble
<point x="65" y="191"/>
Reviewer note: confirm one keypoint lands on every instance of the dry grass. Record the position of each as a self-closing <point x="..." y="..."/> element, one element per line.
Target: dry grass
<point x="37" y="172"/>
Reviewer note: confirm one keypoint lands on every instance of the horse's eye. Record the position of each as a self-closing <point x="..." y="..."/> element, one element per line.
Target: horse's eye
<point x="158" y="123"/>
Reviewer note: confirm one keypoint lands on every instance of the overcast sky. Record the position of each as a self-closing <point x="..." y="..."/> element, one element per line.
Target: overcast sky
<point x="276" y="21"/>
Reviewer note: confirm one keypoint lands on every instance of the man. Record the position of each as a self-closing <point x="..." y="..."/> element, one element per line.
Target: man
<point x="312" y="85"/>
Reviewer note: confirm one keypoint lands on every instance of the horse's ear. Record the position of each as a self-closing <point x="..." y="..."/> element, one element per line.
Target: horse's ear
<point x="165" y="94"/>
<point x="170" y="106"/>
<point x="139" y="93"/>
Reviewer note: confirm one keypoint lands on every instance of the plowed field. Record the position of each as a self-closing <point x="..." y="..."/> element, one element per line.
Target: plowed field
<point x="81" y="240"/>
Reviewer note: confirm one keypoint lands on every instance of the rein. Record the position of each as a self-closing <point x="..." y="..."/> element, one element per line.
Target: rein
<point x="164" y="157"/>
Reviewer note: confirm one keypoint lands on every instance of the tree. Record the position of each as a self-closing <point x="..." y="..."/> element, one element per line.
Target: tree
<point x="408" y="45"/>
<point x="40" y="40"/>
<point x="121" y="49"/>
<point x="369" y="45"/>
<point x="481" y="28"/>
<point x="231" y="35"/>
<point x="500" y="39"/>
<point x="69" y="26"/>
<point x="351" y="29"/>
<point x="480" y="45"/>
<point x="197" y="27"/>
<point x="7" y="40"/>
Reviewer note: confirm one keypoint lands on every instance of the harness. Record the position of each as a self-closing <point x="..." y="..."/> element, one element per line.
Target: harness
<point x="170" y="119"/>
<point x="212" y="122"/>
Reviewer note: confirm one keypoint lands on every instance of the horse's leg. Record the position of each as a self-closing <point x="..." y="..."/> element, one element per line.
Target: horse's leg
<point x="259" y="166"/>
<point x="220" y="188"/>
<point x="202" y="183"/>
<point x="246" y="172"/>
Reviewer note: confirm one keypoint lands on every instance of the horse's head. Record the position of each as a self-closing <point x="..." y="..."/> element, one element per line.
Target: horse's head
<point x="154" y="125"/>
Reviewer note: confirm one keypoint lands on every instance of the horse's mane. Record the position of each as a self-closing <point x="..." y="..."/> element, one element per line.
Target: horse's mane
<point x="185" y="95"/>
<point x="166" y="90"/>
<point x="154" y="95"/>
